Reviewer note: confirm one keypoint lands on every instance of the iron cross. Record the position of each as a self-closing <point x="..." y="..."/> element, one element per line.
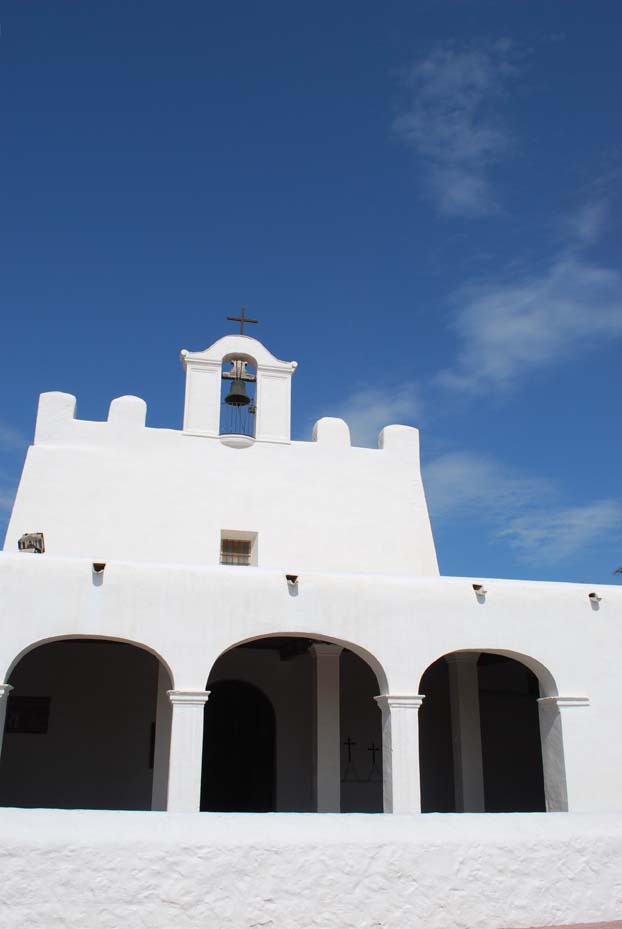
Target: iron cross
<point x="348" y="744"/>
<point x="242" y="319"/>
<point x="373" y="748"/>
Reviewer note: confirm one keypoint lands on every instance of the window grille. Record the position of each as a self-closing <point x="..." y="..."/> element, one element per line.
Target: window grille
<point x="235" y="551"/>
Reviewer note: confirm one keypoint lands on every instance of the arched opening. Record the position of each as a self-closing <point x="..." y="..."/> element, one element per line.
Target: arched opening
<point x="291" y="725"/>
<point x="479" y="735"/>
<point x="238" y="407"/>
<point x="80" y="729"/>
<point x="239" y="743"/>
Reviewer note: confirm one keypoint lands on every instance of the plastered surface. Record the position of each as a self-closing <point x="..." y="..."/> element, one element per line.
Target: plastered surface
<point x="75" y="869"/>
<point x="188" y="616"/>
<point x="119" y="489"/>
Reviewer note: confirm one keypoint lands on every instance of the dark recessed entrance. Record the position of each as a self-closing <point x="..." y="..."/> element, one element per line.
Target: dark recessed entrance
<point x="238" y="750"/>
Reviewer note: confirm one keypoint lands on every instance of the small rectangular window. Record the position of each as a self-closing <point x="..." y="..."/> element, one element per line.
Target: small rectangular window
<point x="235" y="551"/>
<point x="238" y="548"/>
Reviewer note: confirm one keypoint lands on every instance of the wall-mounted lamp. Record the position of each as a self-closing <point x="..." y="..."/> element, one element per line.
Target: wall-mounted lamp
<point x="292" y="579"/>
<point x="98" y="567"/>
<point x="31" y="542"/>
<point x="480" y="590"/>
<point x="594" y="597"/>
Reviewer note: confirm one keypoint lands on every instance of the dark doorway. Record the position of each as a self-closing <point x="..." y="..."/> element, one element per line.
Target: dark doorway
<point x="511" y="750"/>
<point x="238" y="750"/>
<point x="510" y="736"/>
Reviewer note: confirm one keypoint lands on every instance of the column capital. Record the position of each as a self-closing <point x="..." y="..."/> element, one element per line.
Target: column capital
<point x="326" y="650"/>
<point x="406" y="701"/>
<point x="5" y="690"/>
<point x="468" y="658"/>
<point x="560" y="702"/>
<point x="188" y="697"/>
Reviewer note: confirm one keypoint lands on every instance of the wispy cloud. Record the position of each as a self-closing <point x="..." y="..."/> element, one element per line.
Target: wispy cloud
<point x="453" y="125"/>
<point x="586" y="225"/>
<point x="7" y="493"/>
<point x="370" y="409"/>
<point x="507" y="328"/>
<point x="522" y="510"/>
<point x="10" y="438"/>
<point x="561" y="532"/>
<point x="464" y="485"/>
<point x="7" y="496"/>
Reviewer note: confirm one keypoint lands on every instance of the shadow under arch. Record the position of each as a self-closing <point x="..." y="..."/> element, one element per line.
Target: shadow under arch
<point x="315" y="636"/>
<point x="546" y="681"/>
<point x="485" y="744"/>
<point x="239" y="356"/>
<point x="81" y="724"/>
<point x="328" y="728"/>
<point x="239" y="736"/>
<point x="76" y="636"/>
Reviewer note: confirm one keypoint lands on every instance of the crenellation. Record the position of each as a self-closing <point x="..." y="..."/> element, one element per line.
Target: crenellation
<point x="332" y="432"/>
<point x="57" y="423"/>
<point x="55" y="415"/>
<point x="304" y="498"/>
<point x="127" y="413"/>
<point x="401" y="440"/>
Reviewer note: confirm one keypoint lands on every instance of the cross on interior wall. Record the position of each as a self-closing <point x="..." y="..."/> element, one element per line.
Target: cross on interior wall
<point x="373" y="748"/>
<point x="348" y="744"/>
<point x="242" y="319"/>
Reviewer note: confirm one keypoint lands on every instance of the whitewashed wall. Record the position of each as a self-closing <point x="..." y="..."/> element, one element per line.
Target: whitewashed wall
<point x="66" y="870"/>
<point x="188" y="616"/>
<point x="351" y="522"/>
<point x="120" y="490"/>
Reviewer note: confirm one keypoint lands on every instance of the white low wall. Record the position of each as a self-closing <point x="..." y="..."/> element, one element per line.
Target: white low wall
<point x="106" y="870"/>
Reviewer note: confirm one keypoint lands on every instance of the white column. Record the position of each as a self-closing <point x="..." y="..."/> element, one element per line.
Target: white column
<point x="466" y="733"/>
<point x="327" y="729"/>
<point x="563" y="739"/>
<point x="400" y="752"/>
<point x="162" y="747"/>
<point x="5" y="690"/>
<point x="186" y="753"/>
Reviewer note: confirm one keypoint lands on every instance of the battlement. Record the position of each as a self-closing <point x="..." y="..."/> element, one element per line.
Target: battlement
<point x="57" y="424"/>
<point x="120" y="489"/>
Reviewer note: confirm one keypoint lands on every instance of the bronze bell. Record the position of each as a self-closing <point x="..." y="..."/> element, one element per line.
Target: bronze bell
<point x="237" y="395"/>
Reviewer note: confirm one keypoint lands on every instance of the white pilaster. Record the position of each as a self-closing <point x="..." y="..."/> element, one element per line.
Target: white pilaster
<point x="274" y="386"/>
<point x="162" y="747"/>
<point x="400" y="752"/>
<point x="466" y="733"/>
<point x="327" y="729"/>
<point x="203" y="386"/>
<point x="186" y="752"/>
<point x="563" y="723"/>
<point x="5" y="690"/>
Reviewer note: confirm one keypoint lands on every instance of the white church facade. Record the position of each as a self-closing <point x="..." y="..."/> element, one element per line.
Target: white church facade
<point x="223" y="619"/>
<point x="334" y="610"/>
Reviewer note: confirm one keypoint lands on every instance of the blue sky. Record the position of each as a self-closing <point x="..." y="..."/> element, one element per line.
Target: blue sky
<point x="420" y="201"/>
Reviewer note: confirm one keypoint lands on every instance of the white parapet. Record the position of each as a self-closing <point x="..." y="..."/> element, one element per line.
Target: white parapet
<point x="295" y="871"/>
<point x="119" y="489"/>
